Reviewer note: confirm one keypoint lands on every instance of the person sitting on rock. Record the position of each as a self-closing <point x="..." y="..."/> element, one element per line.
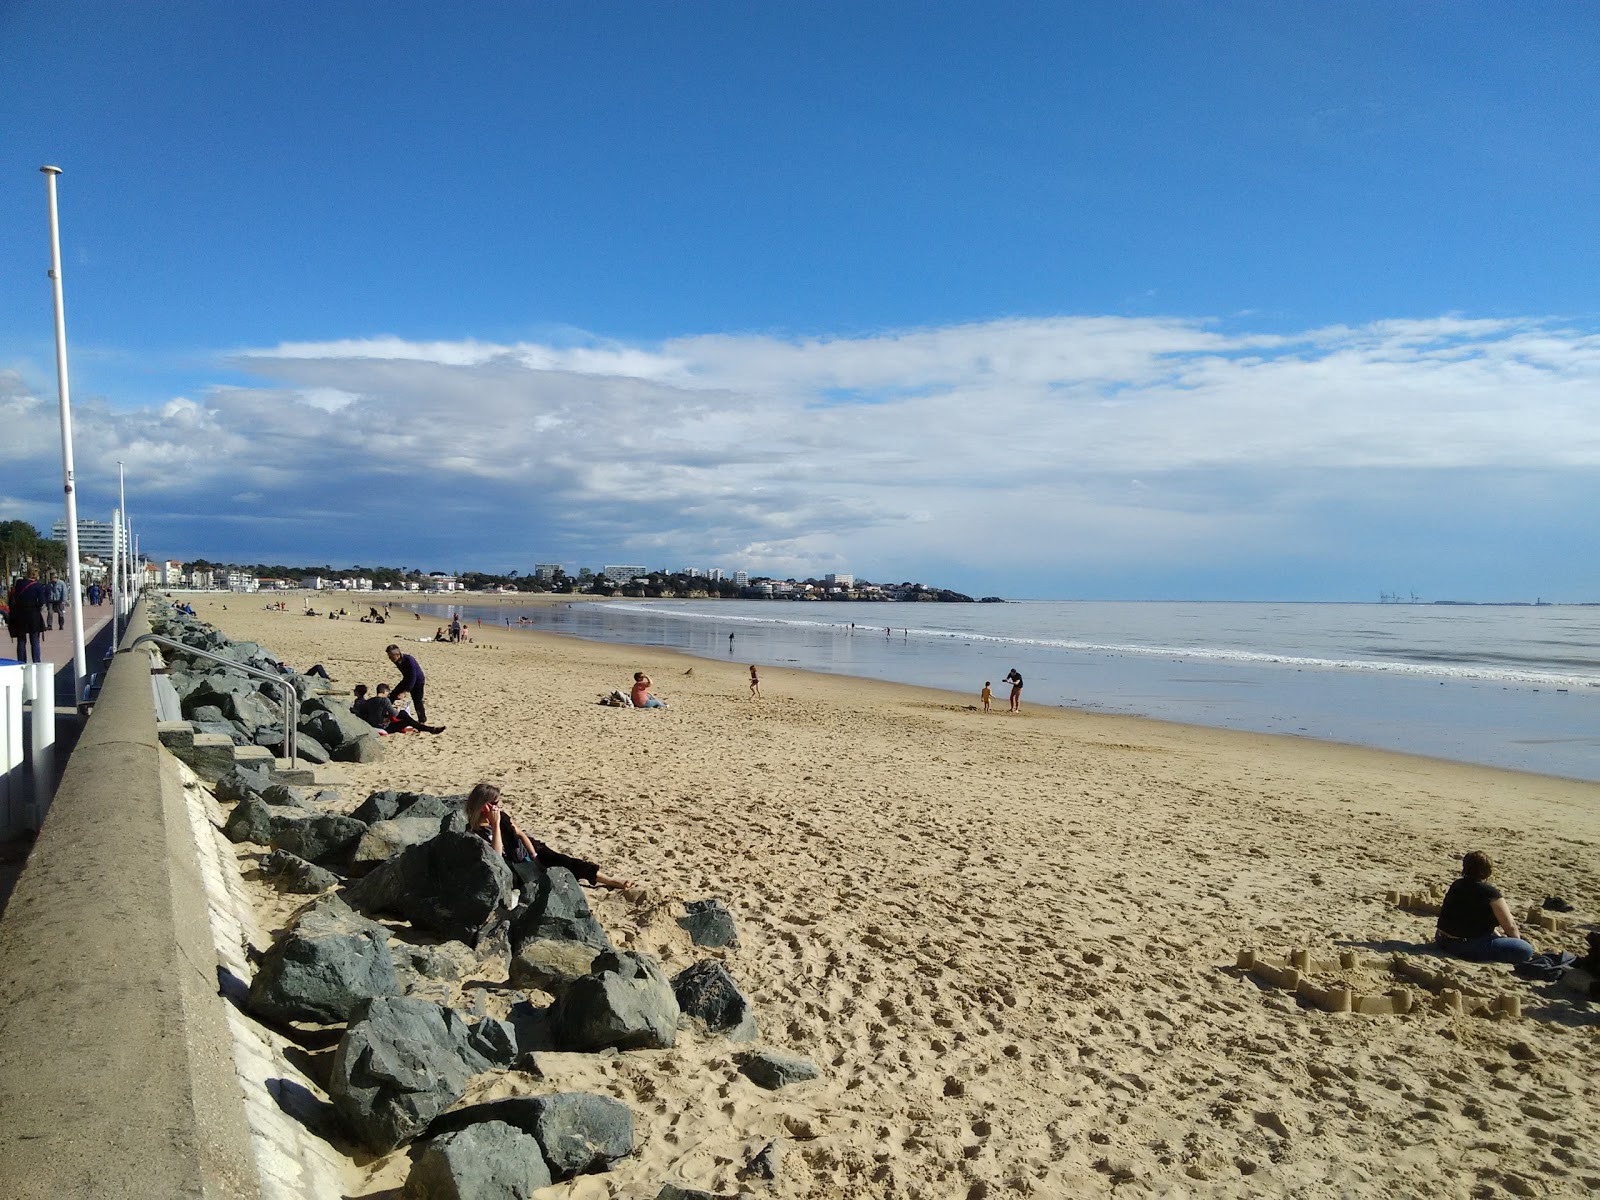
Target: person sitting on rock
<point x="379" y="712"/>
<point x="487" y="819"/>
<point x="1472" y="909"/>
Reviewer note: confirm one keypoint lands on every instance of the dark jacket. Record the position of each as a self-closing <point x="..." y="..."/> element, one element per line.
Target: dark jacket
<point x="27" y="603"/>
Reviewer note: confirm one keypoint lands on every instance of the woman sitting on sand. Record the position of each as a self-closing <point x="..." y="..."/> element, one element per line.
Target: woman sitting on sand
<point x="1472" y="909"/>
<point x="494" y="825"/>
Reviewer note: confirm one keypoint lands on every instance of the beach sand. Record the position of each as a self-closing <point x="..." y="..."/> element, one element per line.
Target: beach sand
<point x="1009" y="942"/>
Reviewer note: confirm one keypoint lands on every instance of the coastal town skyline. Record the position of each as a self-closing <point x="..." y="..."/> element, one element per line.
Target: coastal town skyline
<point x="1233" y="303"/>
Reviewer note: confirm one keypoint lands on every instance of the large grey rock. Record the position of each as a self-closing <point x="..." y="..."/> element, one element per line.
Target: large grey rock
<point x="216" y="690"/>
<point x="390" y="805"/>
<point x="487" y="1161"/>
<point x="242" y="781"/>
<point x="708" y="994"/>
<point x="253" y="710"/>
<point x="333" y="725"/>
<point x="384" y="839"/>
<point x="254" y="820"/>
<point x="626" y="1002"/>
<point x="365" y="749"/>
<point x="285" y="796"/>
<point x="672" y="1191"/>
<point x="320" y="974"/>
<point x="308" y="749"/>
<point x="454" y="885"/>
<point x="771" y="1070"/>
<point x="399" y="1065"/>
<point x="291" y="873"/>
<point x="326" y="839"/>
<point x="580" y="1133"/>
<point x="709" y="923"/>
<point x="554" y="935"/>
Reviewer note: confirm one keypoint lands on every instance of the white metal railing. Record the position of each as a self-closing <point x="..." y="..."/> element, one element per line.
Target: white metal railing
<point x="291" y="695"/>
<point x="21" y="807"/>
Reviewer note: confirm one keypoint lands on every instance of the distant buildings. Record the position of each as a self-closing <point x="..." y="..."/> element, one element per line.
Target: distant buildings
<point x="622" y="573"/>
<point x="840" y="581"/>
<point x="98" y="538"/>
<point x="546" y="572"/>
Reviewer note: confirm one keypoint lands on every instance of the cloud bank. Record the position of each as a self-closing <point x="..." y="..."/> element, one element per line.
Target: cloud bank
<point x="1037" y="451"/>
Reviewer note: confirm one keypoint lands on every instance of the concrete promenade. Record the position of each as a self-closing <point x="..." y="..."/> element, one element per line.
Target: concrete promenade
<point x="117" y="1076"/>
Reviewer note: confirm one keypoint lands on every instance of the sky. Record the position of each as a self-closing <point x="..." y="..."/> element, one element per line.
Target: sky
<point x="1136" y="301"/>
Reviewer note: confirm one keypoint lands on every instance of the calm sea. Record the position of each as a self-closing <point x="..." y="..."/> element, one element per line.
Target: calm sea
<point x="1514" y="687"/>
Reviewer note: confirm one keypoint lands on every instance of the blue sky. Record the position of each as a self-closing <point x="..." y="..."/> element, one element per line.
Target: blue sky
<point x="1129" y="301"/>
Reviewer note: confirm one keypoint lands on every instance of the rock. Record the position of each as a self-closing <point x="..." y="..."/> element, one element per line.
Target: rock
<point x="495" y="1040"/>
<point x="625" y="1002"/>
<point x="671" y="1191"/>
<point x="243" y="781"/>
<point x="766" y="1163"/>
<point x="364" y="749"/>
<point x="253" y="711"/>
<point x="580" y="1133"/>
<point x="333" y="724"/>
<point x="708" y="994"/>
<point x="320" y="973"/>
<point x="454" y="885"/>
<point x="291" y="873"/>
<point x="285" y="796"/>
<point x="216" y="690"/>
<point x="384" y="839"/>
<point x="451" y="960"/>
<point x="554" y="936"/>
<point x="771" y="1070"/>
<point x="310" y="750"/>
<point x="399" y="1065"/>
<point x="709" y="923"/>
<point x="231" y="730"/>
<point x="487" y="1161"/>
<point x="325" y="839"/>
<point x="254" y="820"/>
<point x="390" y="805"/>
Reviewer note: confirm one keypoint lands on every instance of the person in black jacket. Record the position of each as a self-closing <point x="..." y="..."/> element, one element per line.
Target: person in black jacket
<point x="1472" y="911"/>
<point x="25" y="619"/>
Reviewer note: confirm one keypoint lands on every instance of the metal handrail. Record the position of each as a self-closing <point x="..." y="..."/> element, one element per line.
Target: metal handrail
<point x="291" y="697"/>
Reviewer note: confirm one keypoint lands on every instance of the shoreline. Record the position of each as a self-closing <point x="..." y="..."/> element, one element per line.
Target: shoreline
<point x="1008" y="941"/>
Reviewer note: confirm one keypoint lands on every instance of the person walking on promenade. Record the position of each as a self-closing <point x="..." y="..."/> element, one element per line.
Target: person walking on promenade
<point x="1014" y="678"/>
<point x="411" y="680"/>
<point x="25" y="617"/>
<point x="56" y="592"/>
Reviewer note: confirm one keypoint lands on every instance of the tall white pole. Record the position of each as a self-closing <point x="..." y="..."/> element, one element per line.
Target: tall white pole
<point x="116" y="580"/>
<point x="80" y="669"/>
<point x="122" y="546"/>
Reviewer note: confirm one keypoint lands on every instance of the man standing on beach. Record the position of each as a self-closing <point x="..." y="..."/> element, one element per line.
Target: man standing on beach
<point x="1014" y="678"/>
<point x="411" y="679"/>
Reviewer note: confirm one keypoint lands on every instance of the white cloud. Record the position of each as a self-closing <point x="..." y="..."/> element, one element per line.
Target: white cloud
<point x="1098" y="438"/>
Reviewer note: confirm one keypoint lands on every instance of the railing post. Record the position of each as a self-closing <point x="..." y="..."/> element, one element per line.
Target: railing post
<point x="44" y="740"/>
<point x="11" y="684"/>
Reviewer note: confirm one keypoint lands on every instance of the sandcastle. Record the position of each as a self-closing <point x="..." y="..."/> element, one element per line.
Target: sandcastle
<point x="1294" y="972"/>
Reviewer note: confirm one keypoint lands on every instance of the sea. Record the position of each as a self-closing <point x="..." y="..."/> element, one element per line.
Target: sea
<point x="1515" y="686"/>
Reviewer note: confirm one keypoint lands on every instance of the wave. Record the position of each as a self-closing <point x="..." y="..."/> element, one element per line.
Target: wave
<point x="1486" y="666"/>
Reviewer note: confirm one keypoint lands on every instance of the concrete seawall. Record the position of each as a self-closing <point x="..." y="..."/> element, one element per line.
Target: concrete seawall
<point x="117" y="1076"/>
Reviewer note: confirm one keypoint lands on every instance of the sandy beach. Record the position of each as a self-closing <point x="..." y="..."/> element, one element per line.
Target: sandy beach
<point x="1010" y="942"/>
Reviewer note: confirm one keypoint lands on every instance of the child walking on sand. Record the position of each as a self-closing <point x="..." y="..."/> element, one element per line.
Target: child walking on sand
<point x="755" y="683"/>
<point x="986" y="695"/>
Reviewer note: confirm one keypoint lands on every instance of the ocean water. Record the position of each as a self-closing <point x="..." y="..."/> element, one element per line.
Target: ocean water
<point x="1506" y="686"/>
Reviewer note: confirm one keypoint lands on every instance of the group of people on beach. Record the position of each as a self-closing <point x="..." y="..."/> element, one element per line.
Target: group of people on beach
<point x="386" y="710"/>
<point x="1014" y="678"/>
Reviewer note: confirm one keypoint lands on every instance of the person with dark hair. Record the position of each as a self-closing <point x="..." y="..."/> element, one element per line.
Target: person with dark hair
<point x="1014" y="678"/>
<point x="379" y="712"/>
<point x="488" y="820"/>
<point x="1473" y="909"/>
<point x="25" y="615"/>
<point x="411" y="679"/>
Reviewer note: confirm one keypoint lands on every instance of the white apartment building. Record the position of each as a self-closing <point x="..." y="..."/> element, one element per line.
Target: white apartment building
<point x="94" y="537"/>
<point x="313" y="583"/>
<point x="840" y="581"/>
<point x="741" y="578"/>
<point x="716" y="574"/>
<point x="242" y="581"/>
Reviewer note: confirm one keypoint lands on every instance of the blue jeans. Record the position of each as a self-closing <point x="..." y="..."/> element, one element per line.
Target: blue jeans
<point x="1490" y="948"/>
<point x="652" y="703"/>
